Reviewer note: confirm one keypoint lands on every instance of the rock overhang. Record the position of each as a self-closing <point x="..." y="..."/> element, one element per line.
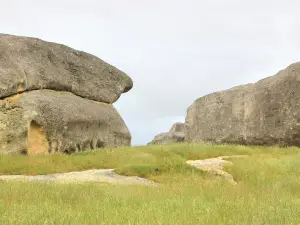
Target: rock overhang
<point x="28" y="64"/>
<point x="57" y="99"/>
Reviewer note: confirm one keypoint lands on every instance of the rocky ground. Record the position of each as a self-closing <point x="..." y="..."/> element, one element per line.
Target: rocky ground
<point x="214" y="166"/>
<point x="102" y="176"/>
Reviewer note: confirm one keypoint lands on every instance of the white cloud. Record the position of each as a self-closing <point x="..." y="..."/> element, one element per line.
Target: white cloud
<point x="175" y="51"/>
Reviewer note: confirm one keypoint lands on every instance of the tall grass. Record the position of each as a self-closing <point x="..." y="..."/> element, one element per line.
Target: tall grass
<point x="127" y="160"/>
<point x="268" y="189"/>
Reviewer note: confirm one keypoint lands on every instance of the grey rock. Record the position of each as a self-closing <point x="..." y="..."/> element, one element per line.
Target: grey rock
<point x="46" y="121"/>
<point x="176" y="134"/>
<point x="263" y="113"/>
<point x="57" y="99"/>
<point x="32" y="64"/>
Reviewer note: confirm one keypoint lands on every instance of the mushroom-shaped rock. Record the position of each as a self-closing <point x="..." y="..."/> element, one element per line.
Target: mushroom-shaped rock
<point x="57" y="99"/>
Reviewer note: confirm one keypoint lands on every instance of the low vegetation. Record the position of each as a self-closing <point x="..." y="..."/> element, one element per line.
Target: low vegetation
<point x="268" y="189"/>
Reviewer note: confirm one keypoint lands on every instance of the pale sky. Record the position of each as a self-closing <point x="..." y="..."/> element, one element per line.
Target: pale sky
<point x="175" y="51"/>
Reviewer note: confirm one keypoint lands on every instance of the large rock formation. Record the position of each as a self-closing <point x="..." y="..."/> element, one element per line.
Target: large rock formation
<point x="176" y="134"/>
<point x="57" y="99"/>
<point x="32" y="64"/>
<point x="263" y="113"/>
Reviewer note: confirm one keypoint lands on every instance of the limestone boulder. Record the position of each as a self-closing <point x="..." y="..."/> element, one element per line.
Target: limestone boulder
<point x="46" y="121"/>
<point x="176" y="134"/>
<point x="263" y="113"/>
<point x="32" y="64"/>
<point x="57" y="99"/>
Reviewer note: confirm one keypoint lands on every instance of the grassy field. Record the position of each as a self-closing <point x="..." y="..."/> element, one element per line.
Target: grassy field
<point x="268" y="189"/>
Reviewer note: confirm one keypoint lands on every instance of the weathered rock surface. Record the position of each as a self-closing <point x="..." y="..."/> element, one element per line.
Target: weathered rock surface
<point x="215" y="166"/>
<point x="56" y="99"/>
<point x="263" y="113"/>
<point x="176" y="134"/>
<point x="31" y="64"/>
<point x="43" y="121"/>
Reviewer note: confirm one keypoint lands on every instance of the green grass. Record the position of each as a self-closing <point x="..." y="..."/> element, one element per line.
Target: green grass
<point x="140" y="161"/>
<point x="268" y="189"/>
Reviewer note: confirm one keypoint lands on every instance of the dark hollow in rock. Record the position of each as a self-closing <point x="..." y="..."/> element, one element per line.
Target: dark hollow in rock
<point x="45" y="121"/>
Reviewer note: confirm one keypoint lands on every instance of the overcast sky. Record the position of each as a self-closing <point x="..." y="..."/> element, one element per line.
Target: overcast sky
<point x="175" y="51"/>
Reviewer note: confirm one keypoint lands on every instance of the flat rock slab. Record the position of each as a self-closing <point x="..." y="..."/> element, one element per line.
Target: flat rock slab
<point x="215" y="166"/>
<point x="100" y="175"/>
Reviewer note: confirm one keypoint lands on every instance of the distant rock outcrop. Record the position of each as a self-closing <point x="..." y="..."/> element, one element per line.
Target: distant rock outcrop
<point x="57" y="99"/>
<point x="176" y="134"/>
<point x="263" y="113"/>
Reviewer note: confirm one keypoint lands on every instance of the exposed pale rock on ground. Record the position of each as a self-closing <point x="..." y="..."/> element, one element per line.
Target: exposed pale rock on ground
<point x="101" y="176"/>
<point x="215" y="166"/>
